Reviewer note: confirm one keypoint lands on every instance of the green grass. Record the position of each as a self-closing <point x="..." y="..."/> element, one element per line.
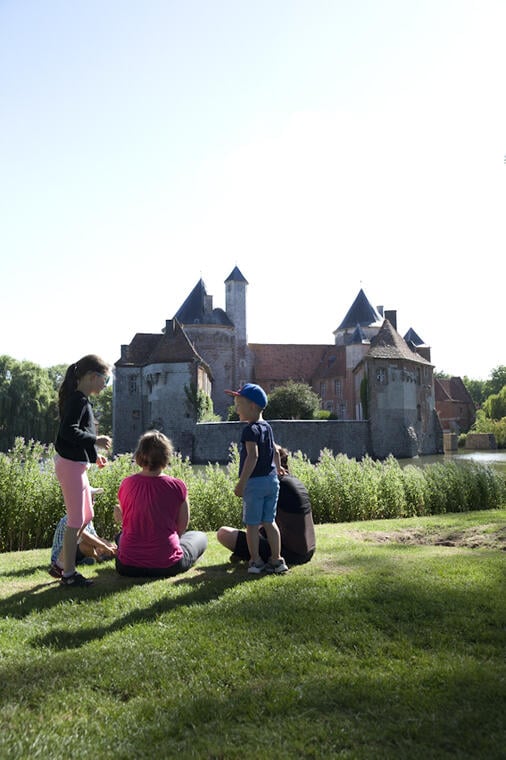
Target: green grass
<point x="389" y="644"/>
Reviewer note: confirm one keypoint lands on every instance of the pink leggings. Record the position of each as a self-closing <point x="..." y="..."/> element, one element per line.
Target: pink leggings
<point x="75" y="486"/>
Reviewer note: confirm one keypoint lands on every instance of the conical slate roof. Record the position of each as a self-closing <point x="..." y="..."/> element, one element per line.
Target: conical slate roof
<point x="361" y="312"/>
<point x="195" y="310"/>
<point x="388" y="344"/>
<point x="237" y="276"/>
<point x="412" y="337"/>
<point x="358" y="336"/>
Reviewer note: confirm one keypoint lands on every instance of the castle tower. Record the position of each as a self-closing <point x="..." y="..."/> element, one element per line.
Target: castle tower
<point x="235" y="307"/>
<point x="235" y="304"/>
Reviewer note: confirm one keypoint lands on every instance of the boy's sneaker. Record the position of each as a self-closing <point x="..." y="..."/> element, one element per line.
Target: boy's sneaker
<point x="255" y="568"/>
<point x="277" y="567"/>
<point x="54" y="570"/>
<point x="76" y="579"/>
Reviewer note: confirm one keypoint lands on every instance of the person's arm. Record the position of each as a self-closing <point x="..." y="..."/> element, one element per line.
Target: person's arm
<point x="277" y="461"/>
<point x="97" y="542"/>
<point x="249" y="466"/>
<point x="183" y="518"/>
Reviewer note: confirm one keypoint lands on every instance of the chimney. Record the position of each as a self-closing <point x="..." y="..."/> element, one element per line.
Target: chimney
<point x="391" y="315"/>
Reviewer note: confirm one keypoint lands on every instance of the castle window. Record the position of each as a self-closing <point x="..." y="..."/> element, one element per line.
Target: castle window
<point x="381" y="375"/>
<point x="338" y="388"/>
<point x="323" y="389"/>
<point x="132" y="384"/>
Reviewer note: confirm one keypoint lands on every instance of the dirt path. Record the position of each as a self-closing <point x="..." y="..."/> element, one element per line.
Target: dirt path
<point x="479" y="537"/>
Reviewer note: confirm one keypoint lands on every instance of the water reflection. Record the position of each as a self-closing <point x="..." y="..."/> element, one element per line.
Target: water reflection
<point x="495" y="459"/>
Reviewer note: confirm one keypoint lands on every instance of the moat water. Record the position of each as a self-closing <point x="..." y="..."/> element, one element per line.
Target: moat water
<point x="495" y="459"/>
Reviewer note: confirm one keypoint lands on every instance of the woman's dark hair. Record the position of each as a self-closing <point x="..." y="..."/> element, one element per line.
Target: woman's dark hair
<point x="74" y="373"/>
<point x="283" y="456"/>
<point x="154" y="450"/>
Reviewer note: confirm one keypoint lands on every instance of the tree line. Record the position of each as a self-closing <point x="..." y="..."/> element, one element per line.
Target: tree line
<point x="29" y="402"/>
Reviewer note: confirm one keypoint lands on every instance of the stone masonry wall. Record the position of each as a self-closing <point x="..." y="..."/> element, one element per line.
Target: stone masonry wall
<point x="212" y="440"/>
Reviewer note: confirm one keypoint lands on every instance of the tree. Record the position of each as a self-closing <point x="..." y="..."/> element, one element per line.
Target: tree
<point x="28" y="403"/>
<point x="497" y="380"/>
<point x="199" y="404"/>
<point x="102" y="409"/>
<point x="495" y="405"/>
<point x="476" y="389"/>
<point x="292" y="401"/>
<point x="479" y="390"/>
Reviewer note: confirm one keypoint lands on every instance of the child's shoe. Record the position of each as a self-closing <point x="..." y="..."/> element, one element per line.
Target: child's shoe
<point x="76" y="579"/>
<point x="54" y="570"/>
<point x="255" y="568"/>
<point x="278" y="566"/>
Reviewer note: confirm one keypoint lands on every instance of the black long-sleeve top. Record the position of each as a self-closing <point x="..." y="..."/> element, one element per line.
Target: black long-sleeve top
<point x="76" y="435"/>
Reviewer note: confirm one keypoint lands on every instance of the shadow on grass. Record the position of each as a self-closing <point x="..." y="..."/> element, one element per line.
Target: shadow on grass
<point x="205" y="584"/>
<point x="22" y="572"/>
<point x="47" y="594"/>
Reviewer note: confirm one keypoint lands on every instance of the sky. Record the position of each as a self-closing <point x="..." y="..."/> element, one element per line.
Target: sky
<point x="322" y="146"/>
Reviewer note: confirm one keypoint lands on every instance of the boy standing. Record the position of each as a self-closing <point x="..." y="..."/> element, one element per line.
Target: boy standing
<point x="258" y="483"/>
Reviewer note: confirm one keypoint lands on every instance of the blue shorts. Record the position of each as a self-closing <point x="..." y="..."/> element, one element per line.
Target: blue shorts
<point x="260" y="499"/>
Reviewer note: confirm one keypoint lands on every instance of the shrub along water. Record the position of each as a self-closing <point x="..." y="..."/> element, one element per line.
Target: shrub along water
<point x="341" y="490"/>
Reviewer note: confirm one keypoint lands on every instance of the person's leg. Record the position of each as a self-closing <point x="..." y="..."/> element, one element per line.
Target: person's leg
<point x="276" y="563"/>
<point x="69" y="550"/>
<point x="269" y="516"/>
<point x="274" y="539"/>
<point x="75" y="486"/>
<point x="253" y="499"/>
<point x="193" y="543"/>
<point x="228" y="537"/>
<point x="253" y="539"/>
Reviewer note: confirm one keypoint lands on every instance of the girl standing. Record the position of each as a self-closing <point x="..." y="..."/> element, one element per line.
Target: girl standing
<point x="76" y="448"/>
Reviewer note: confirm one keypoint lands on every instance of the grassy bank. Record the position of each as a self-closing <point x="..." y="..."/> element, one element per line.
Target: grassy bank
<point x="389" y="644"/>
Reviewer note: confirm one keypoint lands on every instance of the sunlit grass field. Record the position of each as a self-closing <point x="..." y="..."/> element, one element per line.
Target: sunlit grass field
<point x="389" y="644"/>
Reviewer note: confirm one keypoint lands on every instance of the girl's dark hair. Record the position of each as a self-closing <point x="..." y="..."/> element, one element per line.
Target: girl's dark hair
<point x="74" y="373"/>
<point x="154" y="450"/>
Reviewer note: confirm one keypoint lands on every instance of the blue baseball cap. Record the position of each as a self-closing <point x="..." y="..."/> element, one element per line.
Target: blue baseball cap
<point x="253" y="393"/>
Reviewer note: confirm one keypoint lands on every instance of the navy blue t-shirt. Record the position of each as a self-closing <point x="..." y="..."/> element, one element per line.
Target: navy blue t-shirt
<point x="259" y="432"/>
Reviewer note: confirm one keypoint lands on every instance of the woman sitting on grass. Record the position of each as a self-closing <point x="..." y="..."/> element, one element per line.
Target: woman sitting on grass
<point x="154" y="541"/>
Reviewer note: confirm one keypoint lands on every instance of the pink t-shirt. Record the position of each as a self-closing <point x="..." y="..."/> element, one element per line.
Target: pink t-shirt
<point x="150" y="508"/>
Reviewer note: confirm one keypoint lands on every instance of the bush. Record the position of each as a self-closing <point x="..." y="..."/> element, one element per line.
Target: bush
<point x="340" y="489"/>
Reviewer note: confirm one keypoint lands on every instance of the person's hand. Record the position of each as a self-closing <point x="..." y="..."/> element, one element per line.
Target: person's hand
<point x="103" y="442"/>
<point x="238" y="490"/>
<point x="118" y="515"/>
<point x="101" y="461"/>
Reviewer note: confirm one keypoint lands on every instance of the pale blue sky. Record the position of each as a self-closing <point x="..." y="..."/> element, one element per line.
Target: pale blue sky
<point x="319" y="146"/>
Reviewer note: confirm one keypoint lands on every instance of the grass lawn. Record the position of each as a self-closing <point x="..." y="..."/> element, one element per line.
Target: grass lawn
<point x="389" y="644"/>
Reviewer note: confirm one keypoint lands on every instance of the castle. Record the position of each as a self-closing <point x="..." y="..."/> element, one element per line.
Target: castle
<point x="369" y="374"/>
